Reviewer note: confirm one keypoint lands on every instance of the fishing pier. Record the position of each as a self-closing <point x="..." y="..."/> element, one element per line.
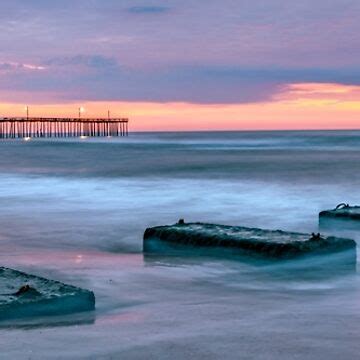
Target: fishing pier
<point x="40" y="127"/>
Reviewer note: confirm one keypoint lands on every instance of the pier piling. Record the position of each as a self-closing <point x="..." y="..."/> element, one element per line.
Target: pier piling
<point x="39" y="127"/>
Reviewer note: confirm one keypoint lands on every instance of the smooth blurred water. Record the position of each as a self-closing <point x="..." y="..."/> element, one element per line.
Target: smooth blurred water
<point x="75" y="211"/>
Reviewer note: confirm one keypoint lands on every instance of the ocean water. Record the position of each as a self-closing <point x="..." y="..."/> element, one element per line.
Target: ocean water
<point x="75" y="210"/>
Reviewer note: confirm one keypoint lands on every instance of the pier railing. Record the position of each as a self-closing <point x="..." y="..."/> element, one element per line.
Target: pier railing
<point x="43" y="127"/>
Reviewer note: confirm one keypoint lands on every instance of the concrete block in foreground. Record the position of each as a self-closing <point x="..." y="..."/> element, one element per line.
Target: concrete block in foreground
<point x="272" y="244"/>
<point x="23" y="296"/>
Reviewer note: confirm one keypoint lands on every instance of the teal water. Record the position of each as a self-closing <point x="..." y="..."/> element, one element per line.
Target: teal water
<point x="75" y="211"/>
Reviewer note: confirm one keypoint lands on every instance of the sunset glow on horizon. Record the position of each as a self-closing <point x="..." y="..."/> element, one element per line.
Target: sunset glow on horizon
<point x="299" y="107"/>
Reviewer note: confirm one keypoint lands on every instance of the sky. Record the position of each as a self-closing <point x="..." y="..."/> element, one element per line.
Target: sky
<point x="184" y="65"/>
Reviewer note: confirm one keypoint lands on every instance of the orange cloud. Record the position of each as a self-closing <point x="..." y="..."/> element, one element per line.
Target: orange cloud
<point x="323" y="91"/>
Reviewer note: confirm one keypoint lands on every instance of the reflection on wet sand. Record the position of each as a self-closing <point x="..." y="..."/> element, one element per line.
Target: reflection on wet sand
<point x="86" y="318"/>
<point x="316" y="267"/>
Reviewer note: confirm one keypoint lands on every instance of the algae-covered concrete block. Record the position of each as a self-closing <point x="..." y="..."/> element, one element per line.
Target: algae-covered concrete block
<point x="23" y="296"/>
<point x="236" y="239"/>
<point x="343" y="211"/>
<point x="344" y="217"/>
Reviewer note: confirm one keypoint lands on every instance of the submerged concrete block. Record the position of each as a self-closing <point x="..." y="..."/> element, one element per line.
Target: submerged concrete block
<point x="23" y="296"/>
<point x="274" y="244"/>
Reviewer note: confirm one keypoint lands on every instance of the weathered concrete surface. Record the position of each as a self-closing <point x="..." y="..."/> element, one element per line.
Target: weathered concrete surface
<point x="343" y="211"/>
<point x="266" y="243"/>
<point x="23" y="296"/>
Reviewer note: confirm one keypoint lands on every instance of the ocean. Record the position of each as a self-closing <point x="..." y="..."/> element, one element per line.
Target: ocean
<point x="75" y="210"/>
